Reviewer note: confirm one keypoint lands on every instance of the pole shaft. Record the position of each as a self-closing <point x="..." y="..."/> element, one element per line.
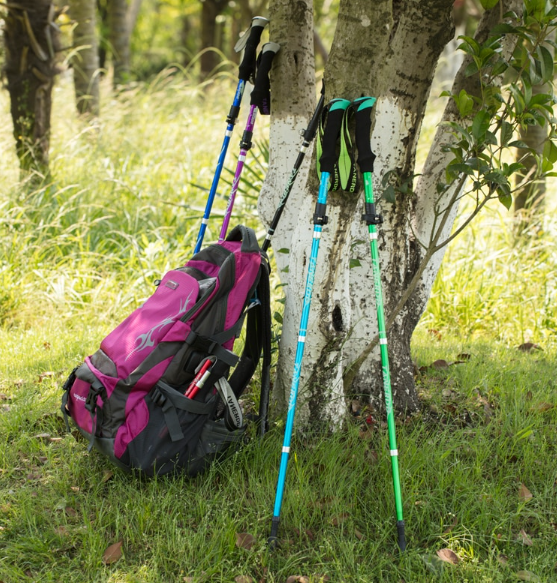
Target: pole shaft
<point x="368" y="189"/>
<point x="250" y="124"/>
<point x="220" y="163"/>
<point x="322" y="199"/>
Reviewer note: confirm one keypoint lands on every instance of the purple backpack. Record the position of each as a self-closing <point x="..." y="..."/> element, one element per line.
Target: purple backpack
<point x="157" y="396"/>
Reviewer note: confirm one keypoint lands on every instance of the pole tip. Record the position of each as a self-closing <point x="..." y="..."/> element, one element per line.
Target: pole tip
<point x="401" y="535"/>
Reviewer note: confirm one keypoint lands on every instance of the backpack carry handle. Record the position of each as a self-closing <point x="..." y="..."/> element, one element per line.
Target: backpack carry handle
<point x="261" y="94"/>
<point x="247" y="236"/>
<point x="366" y="157"/>
<point x="249" y="41"/>
<point x="335" y="113"/>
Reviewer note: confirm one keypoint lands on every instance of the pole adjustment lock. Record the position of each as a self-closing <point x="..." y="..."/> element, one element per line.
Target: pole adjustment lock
<point x="373" y="219"/>
<point x="319" y="217"/>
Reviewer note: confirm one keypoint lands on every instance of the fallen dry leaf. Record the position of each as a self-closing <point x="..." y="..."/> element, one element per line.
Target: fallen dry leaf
<point x="451" y="526"/>
<point x="448" y="556"/>
<point x="244" y="540"/>
<point x="543" y="407"/>
<point x="529" y="346"/>
<point x="244" y="579"/>
<point x="527" y="576"/>
<point x="524" y="538"/>
<point x="46" y="375"/>
<point x="440" y="364"/>
<point x="107" y="475"/>
<point x="358" y="534"/>
<point x="339" y="519"/>
<point x="297" y="579"/>
<point x="113" y="553"/>
<point x="524" y="494"/>
<point x="70" y="511"/>
<point x="503" y="559"/>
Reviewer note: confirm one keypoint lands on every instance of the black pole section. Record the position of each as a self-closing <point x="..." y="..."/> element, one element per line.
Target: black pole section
<point x="308" y="136"/>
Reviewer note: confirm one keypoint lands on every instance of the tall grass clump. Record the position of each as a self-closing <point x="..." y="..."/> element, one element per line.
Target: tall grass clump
<point x="124" y="202"/>
<point x="496" y="285"/>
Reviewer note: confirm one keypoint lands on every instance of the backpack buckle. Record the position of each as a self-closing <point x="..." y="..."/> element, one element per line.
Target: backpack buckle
<point x="157" y="397"/>
<point x="91" y="401"/>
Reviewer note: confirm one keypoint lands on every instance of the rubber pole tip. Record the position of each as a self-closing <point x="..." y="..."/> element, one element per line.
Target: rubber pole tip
<point x="401" y="535"/>
<point x="273" y="543"/>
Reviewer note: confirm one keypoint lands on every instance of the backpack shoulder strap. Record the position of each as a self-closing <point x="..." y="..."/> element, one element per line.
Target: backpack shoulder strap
<point x="258" y="340"/>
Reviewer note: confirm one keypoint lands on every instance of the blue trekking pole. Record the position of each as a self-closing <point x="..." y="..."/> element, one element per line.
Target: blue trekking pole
<point x="372" y="219"/>
<point x="335" y="112"/>
<point x="249" y="42"/>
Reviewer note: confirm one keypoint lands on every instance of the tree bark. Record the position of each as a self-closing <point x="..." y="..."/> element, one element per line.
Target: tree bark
<point x="85" y="61"/>
<point x="31" y="42"/>
<point x="387" y="49"/>
<point x="119" y="38"/>
<point x="210" y="9"/>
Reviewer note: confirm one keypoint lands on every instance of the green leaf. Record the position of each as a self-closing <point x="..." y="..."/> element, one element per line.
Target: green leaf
<point x="503" y="28"/>
<point x="464" y="103"/>
<point x="550" y="151"/>
<point x="546" y="64"/>
<point x="519" y="144"/>
<point x="489" y="4"/>
<point x="284" y="250"/>
<point x="354" y="263"/>
<point x="518" y="98"/>
<point x="505" y="199"/>
<point x="389" y="194"/>
<point x="480" y="125"/>
<point x="277" y="317"/>
<point x="506" y="133"/>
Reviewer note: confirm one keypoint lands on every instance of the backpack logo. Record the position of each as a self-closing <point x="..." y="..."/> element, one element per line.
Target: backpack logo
<point x="145" y="340"/>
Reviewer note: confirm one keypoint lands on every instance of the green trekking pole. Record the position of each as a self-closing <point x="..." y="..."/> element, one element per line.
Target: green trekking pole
<point x="365" y="161"/>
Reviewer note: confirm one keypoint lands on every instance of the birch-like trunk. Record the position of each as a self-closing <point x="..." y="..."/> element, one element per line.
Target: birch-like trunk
<point x="119" y="38"/>
<point x="389" y="50"/>
<point x="85" y="60"/>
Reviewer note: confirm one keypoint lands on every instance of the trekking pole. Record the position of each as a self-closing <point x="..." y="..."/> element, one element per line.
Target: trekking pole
<point x="249" y="41"/>
<point x="365" y="161"/>
<point x="335" y="112"/>
<point x="308" y="136"/>
<point x="260" y="100"/>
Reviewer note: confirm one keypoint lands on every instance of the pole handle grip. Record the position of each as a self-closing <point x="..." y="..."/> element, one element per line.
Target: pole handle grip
<point x="366" y="157"/>
<point x="335" y="113"/>
<point x="249" y="41"/>
<point x="261" y="94"/>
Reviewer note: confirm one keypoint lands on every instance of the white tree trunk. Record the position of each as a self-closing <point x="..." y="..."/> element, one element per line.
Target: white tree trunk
<point x="388" y="50"/>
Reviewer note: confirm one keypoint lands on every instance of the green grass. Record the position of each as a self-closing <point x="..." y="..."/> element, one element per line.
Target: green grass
<point x="78" y="254"/>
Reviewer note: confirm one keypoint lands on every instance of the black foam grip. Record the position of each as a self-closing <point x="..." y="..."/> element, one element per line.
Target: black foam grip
<point x="363" y="132"/>
<point x="247" y="66"/>
<point x="330" y="137"/>
<point x="261" y="94"/>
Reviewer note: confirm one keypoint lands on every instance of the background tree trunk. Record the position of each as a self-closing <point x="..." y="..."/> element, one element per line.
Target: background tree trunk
<point x="31" y="43"/>
<point x="529" y="203"/>
<point x="389" y="50"/>
<point x="119" y="38"/>
<point x="85" y="61"/>
<point x="210" y="9"/>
